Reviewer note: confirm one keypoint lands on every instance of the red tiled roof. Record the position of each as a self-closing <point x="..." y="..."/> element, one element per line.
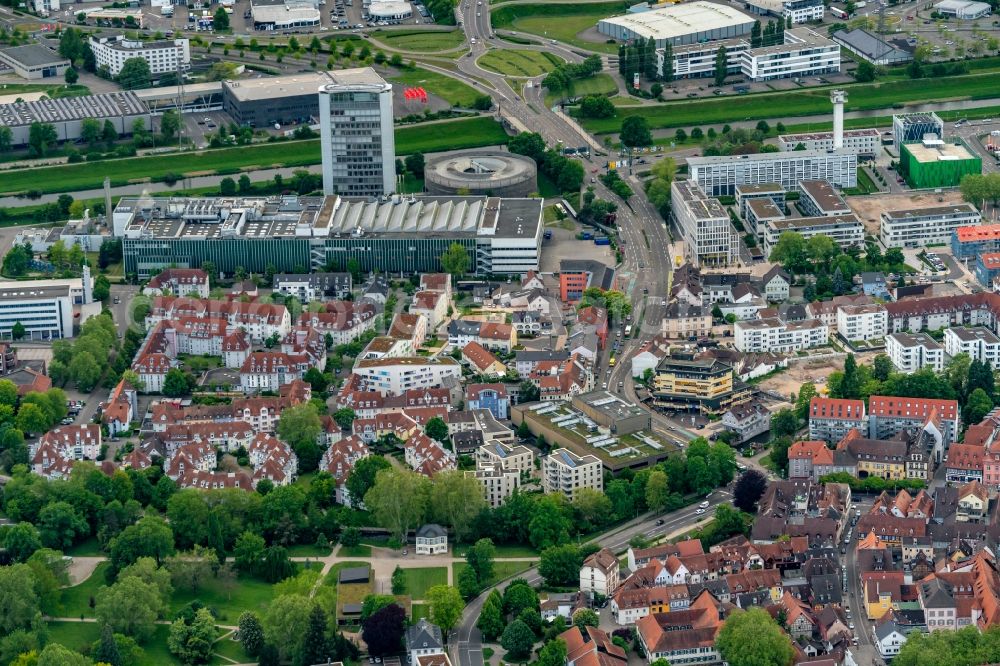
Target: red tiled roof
<point x="836" y="408"/>
<point x="978" y="233"/>
<point x="915" y="408"/>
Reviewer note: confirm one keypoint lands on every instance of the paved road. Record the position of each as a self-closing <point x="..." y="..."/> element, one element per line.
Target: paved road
<point x="465" y="642"/>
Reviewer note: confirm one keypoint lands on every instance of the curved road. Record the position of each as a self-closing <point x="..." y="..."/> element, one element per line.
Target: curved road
<point x="465" y="642"/>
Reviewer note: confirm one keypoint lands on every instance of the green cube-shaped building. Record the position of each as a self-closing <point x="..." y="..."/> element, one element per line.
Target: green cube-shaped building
<point x="937" y="163"/>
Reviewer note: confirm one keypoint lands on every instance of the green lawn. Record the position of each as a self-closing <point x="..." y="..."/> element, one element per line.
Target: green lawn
<point x="419" y="610"/>
<point x="80" y="636"/>
<point x="503" y="550"/>
<point x="360" y="550"/>
<point x="423" y="41"/>
<point x="418" y="581"/>
<point x="501" y="570"/>
<point x="246" y="594"/>
<point x="561" y="21"/>
<point x="804" y="102"/>
<point x="599" y="84"/>
<point x="518" y="62"/>
<point x="232" y="649"/>
<point x="452" y="91"/>
<point x="89" y="548"/>
<point x="307" y="550"/>
<point x="76" y="599"/>
<point x="452" y="135"/>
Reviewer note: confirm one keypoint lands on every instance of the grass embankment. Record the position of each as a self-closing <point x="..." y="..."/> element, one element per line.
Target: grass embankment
<point x="450" y="90"/>
<point x="518" y="62"/>
<point x="599" y="84"/>
<point x="807" y="102"/>
<point x="47" y="88"/>
<point x="452" y="135"/>
<point x="560" y="21"/>
<point x="421" y="41"/>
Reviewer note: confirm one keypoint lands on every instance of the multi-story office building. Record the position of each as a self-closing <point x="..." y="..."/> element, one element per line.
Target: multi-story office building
<point x="407" y="235"/>
<point x="356" y="134"/>
<point x="978" y="342"/>
<point x="274" y="99"/>
<point x="771" y="334"/>
<point x="845" y="230"/>
<point x="44" y="311"/>
<point x="866" y="142"/>
<point x="719" y="175"/>
<point x="920" y="227"/>
<point x="748" y="192"/>
<point x="862" y="322"/>
<point x="692" y="61"/>
<point x="910" y="352"/>
<point x="804" y="53"/>
<point x="697" y="385"/>
<point x="818" y="198"/>
<point x="566" y="472"/>
<point x="163" y="56"/>
<point x="708" y="233"/>
<point x="971" y="241"/>
<point x="909" y="127"/>
<point x="759" y="212"/>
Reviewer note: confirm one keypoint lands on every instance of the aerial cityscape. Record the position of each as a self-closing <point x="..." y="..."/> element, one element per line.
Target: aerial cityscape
<point x="500" y="332"/>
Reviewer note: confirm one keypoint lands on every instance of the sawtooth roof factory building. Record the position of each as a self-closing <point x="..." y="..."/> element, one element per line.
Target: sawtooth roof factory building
<point x="300" y="234"/>
<point x="689" y="23"/>
<point x="67" y="114"/>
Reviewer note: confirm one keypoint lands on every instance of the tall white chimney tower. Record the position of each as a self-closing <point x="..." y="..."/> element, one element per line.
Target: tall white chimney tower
<point x="838" y="98"/>
<point x="88" y="292"/>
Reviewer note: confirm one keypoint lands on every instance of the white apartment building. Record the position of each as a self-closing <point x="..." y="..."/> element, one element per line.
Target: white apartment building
<point x="845" y="230"/>
<point x="512" y="456"/>
<point x="163" y="56"/>
<point x="800" y="11"/>
<point x="719" y="175"/>
<point x="818" y="198"/>
<point x="865" y="142"/>
<point x="804" y="53"/>
<point x="709" y="235"/>
<point x="498" y="482"/>
<point x="395" y="376"/>
<point x="269" y="371"/>
<point x="600" y="573"/>
<point x="565" y="472"/>
<point x="771" y="334"/>
<point x="920" y="227"/>
<point x="693" y="61"/>
<point x="44" y="310"/>
<point x="978" y="342"/>
<point x="45" y="7"/>
<point x="910" y="352"/>
<point x="862" y="322"/>
<point x="356" y="136"/>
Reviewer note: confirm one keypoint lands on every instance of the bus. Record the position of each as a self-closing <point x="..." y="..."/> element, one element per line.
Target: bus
<point x="611" y="362"/>
<point x="628" y="330"/>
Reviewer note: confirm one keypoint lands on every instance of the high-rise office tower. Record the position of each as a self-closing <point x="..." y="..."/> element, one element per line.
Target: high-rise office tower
<point x="359" y="149"/>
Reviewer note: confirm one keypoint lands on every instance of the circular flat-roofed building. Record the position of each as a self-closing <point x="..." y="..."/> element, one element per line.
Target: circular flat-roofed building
<point x="393" y="10"/>
<point x="481" y="172"/>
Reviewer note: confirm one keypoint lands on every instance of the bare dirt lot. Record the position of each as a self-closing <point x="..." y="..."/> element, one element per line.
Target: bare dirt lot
<point x="800" y="372"/>
<point x="870" y="208"/>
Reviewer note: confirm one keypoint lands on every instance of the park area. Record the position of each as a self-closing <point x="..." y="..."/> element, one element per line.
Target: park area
<point x="519" y="62"/>
<point x="561" y="21"/>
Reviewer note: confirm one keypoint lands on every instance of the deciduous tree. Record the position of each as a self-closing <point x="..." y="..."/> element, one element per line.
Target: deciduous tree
<point x="446" y="606"/>
<point x="752" y="638"/>
<point x="383" y="631"/>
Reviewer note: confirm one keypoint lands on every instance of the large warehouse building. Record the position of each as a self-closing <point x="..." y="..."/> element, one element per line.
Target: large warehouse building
<point x="67" y="114"/>
<point x="689" y="23"/>
<point x="34" y="61"/>
<point x="937" y="163"/>
<point x="301" y="234"/>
